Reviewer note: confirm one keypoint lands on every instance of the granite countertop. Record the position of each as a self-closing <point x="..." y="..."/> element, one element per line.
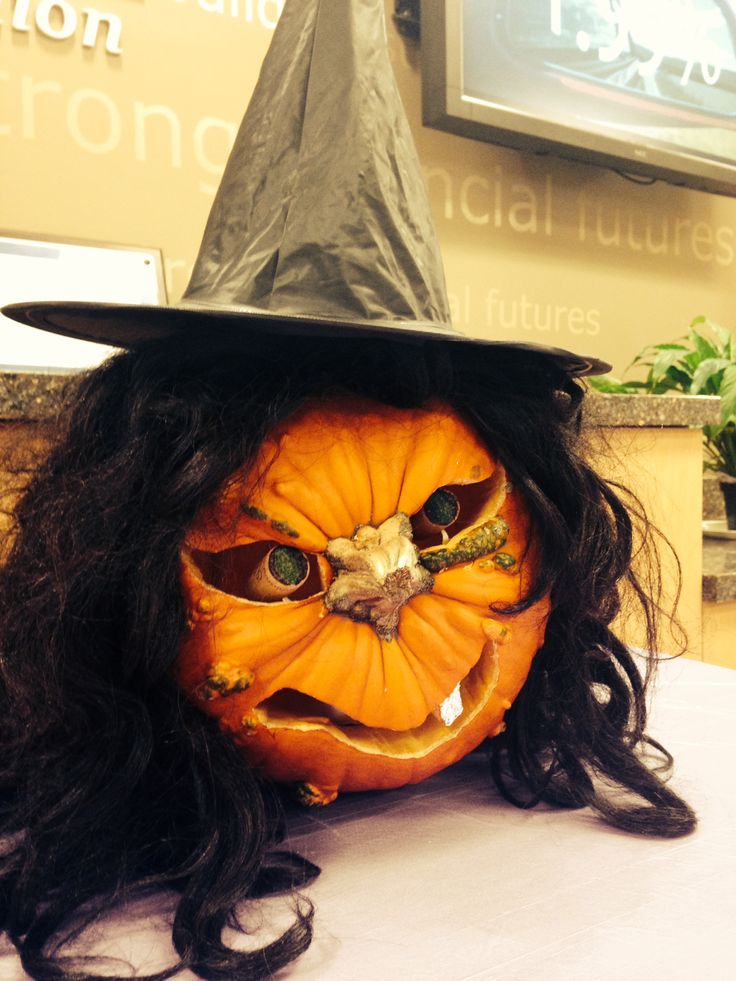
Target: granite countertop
<point x="681" y="411"/>
<point x="32" y="394"/>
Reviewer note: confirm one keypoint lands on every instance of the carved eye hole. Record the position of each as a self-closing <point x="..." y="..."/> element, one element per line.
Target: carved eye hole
<point x="441" y="510"/>
<point x="264" y="572"/>
<point x="450" y="509"/>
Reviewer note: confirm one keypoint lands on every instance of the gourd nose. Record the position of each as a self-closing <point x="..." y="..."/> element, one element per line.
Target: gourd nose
<point x="376" y="571"/>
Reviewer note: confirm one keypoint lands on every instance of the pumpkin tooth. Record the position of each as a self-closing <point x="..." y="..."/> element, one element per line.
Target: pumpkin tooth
<point x="452" y="707"/>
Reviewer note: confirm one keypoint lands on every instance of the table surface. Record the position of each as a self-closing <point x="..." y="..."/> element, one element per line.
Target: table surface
<point x="445" y="881"/>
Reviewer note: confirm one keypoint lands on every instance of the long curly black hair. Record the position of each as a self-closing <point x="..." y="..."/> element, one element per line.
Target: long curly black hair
<point x="112" y="785"/>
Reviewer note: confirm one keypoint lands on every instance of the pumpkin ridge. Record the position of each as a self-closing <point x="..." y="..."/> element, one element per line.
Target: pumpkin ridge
<point x="372" y="504"/>
<point x="366" y="651"/>
<point x="425" y="667"/>
<point x="438" y="627"/>
<point x="384" y="496"/>
<point x="401" y="676"/>
<point x="356" y="476"/>
<point x="480" y="607"/>
<point x="333" y="505"/>
<point x="280" y="664"/>
<point x="292" y="673"/>
<point x="495" y="586"/>
<point x="401" y="483"/>
<point x="302" y="659"/>
<point x="440" y="674"/>
<point x="282" y="487"/>
<point x="433" y="440"/>
<point x="341" y="457"/>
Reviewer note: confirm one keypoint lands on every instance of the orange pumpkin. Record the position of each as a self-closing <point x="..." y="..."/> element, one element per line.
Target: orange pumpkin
<point x="343" y="595"/>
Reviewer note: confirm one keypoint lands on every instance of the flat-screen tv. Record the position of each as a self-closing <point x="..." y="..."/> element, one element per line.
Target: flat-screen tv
<point x="646" y="87"/>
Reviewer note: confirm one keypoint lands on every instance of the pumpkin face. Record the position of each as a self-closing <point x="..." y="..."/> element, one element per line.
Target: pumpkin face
<point x="340" y="592"/>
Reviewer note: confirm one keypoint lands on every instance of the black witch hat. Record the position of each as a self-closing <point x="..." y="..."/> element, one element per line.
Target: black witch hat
<point x="321" y="223"/>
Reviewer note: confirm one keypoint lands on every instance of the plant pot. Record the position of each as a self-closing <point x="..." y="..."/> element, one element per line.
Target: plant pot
<point x="728" y="488"/>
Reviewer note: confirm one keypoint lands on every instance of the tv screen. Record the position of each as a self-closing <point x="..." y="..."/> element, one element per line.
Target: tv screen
<point x="646" y="87"/>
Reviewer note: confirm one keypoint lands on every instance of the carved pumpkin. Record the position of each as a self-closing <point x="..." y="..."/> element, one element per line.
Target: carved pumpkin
<point x="339" y="594"/>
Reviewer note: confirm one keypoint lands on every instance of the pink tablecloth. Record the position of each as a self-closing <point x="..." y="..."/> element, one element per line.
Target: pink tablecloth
<point x="447" y="882"/>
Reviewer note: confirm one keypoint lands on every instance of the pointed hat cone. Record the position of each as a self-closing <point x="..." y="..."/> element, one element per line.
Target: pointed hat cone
<point x="322" y="210"/>
<point x="321" y="223"/>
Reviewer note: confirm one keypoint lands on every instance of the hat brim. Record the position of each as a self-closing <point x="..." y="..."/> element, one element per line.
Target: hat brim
<point x="131" y="325"/>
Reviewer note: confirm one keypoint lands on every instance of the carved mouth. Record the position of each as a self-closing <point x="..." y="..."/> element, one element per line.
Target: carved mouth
<point x="290" y="709"/>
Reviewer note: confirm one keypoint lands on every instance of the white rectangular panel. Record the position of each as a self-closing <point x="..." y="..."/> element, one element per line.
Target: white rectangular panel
<point x="47" y="269"/>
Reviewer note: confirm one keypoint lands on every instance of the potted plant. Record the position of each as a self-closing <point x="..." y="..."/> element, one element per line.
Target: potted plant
<point x="701" y="363"/>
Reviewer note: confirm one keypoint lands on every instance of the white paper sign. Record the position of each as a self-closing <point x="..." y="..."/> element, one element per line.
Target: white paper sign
<point x="36" y="269"/>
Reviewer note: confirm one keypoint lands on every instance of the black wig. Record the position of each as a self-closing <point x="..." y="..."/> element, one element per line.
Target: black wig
<point x="113" y="785"/>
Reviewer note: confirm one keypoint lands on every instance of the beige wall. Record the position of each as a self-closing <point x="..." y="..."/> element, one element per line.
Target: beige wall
<point x="662" y="468"/>
<point x="127" y="148"/>
<point x="719" y="631"/>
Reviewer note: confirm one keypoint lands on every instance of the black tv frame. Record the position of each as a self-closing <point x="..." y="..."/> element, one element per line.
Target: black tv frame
<point x="444" y="108"/>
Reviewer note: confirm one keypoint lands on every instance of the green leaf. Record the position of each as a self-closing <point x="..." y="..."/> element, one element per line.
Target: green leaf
<point x="671" y="346"/>
<point x="725" y="344"/>
<point x="728" y="394"/>
<point x="708" y="371"/>
<point x="721" y="448"/>
<point x="612" y="386"/>
<point x="723" y="334"/>
<point x="667" y="357"/>
<point x="690" y="362"/>
<point x="703" y="347"/>
<point x="682" y="381"/>
<point x="651" y="351"/>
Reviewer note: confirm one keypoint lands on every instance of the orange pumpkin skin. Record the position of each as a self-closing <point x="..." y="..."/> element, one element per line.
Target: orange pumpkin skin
<point x="282" y="676"/>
